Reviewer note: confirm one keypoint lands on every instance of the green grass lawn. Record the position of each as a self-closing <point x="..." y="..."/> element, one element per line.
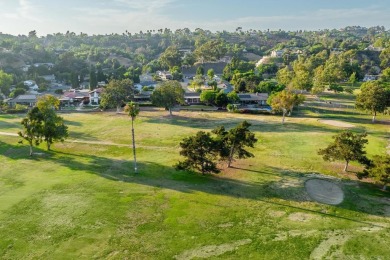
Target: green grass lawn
<point x="82" y="200"/>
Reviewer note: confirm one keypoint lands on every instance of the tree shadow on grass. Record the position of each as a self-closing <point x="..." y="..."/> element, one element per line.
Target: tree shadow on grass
<point x="6" y="125"/>
<point x="261" y="125"/>
<point x="285" y="190"/>
<point x="72" y="123"/>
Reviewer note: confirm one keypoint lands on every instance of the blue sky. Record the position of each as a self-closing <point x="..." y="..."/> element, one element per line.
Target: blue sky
<point x="117" y="16"/>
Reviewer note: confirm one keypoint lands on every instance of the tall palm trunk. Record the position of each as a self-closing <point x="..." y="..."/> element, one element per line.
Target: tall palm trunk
<point x="135" y="157"/>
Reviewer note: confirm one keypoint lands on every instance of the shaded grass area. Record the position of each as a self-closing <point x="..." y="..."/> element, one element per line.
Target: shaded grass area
<point x="82" y="200"/>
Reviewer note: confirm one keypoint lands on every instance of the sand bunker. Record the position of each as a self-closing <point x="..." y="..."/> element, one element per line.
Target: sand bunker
<point x="324" y="191"/>
<point x="337" y="123"/>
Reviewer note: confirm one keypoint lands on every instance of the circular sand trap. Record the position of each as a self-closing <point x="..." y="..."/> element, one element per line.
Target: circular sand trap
<point x="337" y="123"/>
<point x="324" y="191"/>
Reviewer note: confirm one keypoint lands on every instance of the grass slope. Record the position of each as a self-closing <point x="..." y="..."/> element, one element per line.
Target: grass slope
<point x="82" y="200"/>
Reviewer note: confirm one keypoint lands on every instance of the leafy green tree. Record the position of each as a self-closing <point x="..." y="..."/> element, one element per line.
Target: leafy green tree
<point x="117" y="93"/>
<point x="16" y="92"/>
<point x="92" y="78"/>
<point x="200" y="71"/>
<point x="284" y="76"/>
<point x="336" y="88"/>
<point x="353" y="79"/>
<point x="74" y="80"/>
<point x="200" y="152"/>
<point x="132" y="110"/>
<point x="232" y="143"/>
<point x="385" y="77"/>
<point x="213" y="84"/>
<point x="373" y="98"/>
<point x="378" y="169"/>
<point x="302" y="79"/>
<point x="100" y="76"/>
<point x="53" y="127"/>
<point x="133" y="74"/>
<point x="233" y="97"/>
<point x="47" y="102"/>
<point x="197" y="82"/>
<point x="176" y="73"/>
<point x="332" y="72"/>
<point x="236" y="66"/>
<point x="189" y="59"/>
<point x="269" y="87"/>
<point x="171" y="57"/>
<point x="168" y="94"/>
<point x="221" y="99"/>
<point x="385" y="58"/>
<point x="208" y="97"/>
<point x="32" y="128"/>
<point x="284" y="102"/>
<point x="211" y="74"/>
<point x="5" y="82"/>
<point x="245" y="82"/>
<point x="346" y="146"/>
<point x="210" y="50"/>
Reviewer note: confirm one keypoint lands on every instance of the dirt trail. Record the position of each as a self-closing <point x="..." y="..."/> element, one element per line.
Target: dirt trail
<point x="102" y="143"/>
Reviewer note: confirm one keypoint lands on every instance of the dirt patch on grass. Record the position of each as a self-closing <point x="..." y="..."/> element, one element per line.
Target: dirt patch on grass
<point x="212" y="250"/>
<point x="324" y="191"/>
<point x="294" y="233"/>
<point x="336" y="123"/>
<point x="301" y="217"/>
<point x="276" y="214"/>
<point x="325" y="246"/>
<point x="226" y="225"/>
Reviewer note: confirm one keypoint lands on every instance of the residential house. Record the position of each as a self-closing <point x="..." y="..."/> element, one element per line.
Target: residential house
<point x="192" y="98"/>
<point x="95" y="96"/>
<point x="253" y="99"/>
<point x="75" y="97"/>
<point x="31" y="84"/>
<point x="370" y="77"/>
<point x="277" y="54"/>
<point x="25" y="100"/>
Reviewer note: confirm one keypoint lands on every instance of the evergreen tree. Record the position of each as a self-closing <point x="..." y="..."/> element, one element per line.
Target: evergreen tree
<point x="347" y="146"/>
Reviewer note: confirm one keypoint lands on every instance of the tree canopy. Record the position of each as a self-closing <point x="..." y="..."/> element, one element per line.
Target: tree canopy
<point x="5" y="82"/>
<point x="200" y="152"/>
<point x="168" y="94"/>
<point x="32" y="128"/>
<point x="284" y="102"/>
<point x="346" y="146"/>
<point x="232" y="143"/>
<point x="117" y="93"/>
<point x="378" y="169"/>
<point x="373" y="98"/>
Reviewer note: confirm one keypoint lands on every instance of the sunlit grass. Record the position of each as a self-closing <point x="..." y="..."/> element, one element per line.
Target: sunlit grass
<point x="82" y="200"/>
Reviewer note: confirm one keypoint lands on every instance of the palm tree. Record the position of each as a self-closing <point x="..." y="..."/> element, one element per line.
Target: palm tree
<point x="133" y="110"/>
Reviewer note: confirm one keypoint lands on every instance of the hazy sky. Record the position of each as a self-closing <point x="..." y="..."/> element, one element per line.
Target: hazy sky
<point x="117" y="16"/>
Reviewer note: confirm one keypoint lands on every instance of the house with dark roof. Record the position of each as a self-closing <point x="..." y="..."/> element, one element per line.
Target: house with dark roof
<point x="25" y="100"/>
<point x="192" y="98"/>
<point x="259" y="99"/>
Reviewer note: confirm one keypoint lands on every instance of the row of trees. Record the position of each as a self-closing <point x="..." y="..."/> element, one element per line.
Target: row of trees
<point x="43" y="124"/>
